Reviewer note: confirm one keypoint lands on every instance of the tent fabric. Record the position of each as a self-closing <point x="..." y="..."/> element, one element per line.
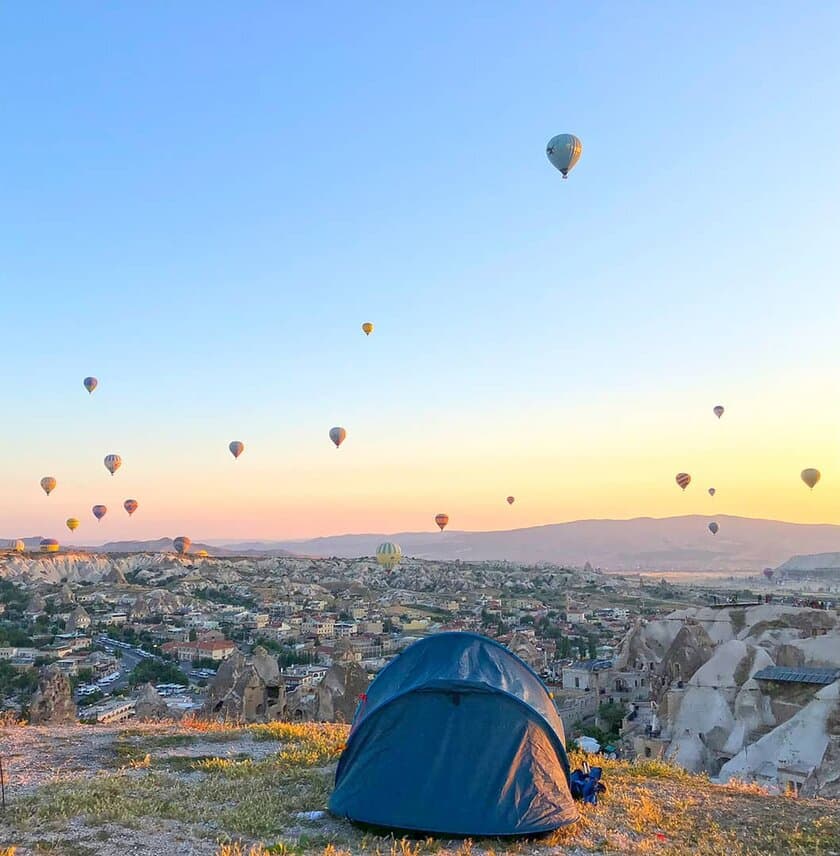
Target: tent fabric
<point x="456" y="736"/>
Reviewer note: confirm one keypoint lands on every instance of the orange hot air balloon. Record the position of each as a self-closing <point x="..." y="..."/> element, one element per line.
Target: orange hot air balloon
<point x="367" y="328"/>
<point x="683" y="480"/>
<point x="182" y="544"/>
<point x="510" y="500"/>
<point x="130" y="505"/>
<point x="48" y="484"/>
<point x="338" y="435"/>
<point x="442" y="520"/>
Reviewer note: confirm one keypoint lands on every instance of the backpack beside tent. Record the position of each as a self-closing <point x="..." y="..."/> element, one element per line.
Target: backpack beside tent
<point x="456" y="736"/>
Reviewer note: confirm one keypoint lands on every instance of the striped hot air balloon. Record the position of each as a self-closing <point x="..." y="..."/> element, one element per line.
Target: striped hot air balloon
<point x="182" y="544"/>
<point x="49" y="545"/>
<point x="683" y="480"/>
<point x="112" y="463"/>
<point x="388" y="555"/>
<point x="338" y="435"/>
<point x="237" y="447"/>
<point x="442" y="520"/>
<point x="130" y="505"/>
<point x="99" y="511"/>
<point x="16" y="545"/>
<point x="48" y="484"/>
<point x="72" y="523"/>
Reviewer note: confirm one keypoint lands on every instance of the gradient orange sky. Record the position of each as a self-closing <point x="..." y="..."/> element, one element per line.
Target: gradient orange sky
<point x="204" y="223"/>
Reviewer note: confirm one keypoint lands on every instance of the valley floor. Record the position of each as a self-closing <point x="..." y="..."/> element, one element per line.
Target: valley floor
<point x="211" y="790"/>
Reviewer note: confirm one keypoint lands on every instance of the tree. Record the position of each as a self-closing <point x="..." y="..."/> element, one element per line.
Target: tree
<point x="156" y="672"/>
<point x="193" y="635"/>
<point x="611" y="714"/>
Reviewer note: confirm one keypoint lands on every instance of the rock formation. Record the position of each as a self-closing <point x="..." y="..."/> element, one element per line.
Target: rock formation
<point x="150" y="705"/>
<point x="339" y="691"/>
<point x="52" y="703"/>
<point x="78" y="620"/>
<point x="247" y="690"/>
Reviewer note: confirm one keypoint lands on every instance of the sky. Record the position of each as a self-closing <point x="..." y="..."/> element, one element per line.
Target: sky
<point x="201" y="202"/>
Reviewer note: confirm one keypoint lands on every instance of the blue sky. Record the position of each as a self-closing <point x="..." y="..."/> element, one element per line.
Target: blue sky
<point x="203" y="201"/>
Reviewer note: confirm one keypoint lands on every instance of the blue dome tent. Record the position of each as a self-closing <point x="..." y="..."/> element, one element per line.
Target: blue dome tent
<point x="456" y="736"/>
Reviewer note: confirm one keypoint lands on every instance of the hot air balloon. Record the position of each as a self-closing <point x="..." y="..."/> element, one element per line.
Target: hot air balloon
<point x="442" y="520"/>
<point x="768" y="572"/>
<point x="510" y="500"/>
<point x="718" y="410"/>
<point x="130" y="505"/>
<point x="49" y="545"/>
<point x="90" y="384"/>
<point x="388" y="555"/>
<point x="237" y="447"/>
<point x="712" y="491"/>
<point x="564" y="152"/>
<point x="72" y="524"/>
<point x="182" y="544"/>
<point x="337" y="435"/>
<point x="810" y="477"/>
<point x="16" y="545"/>
<point x="203" y="553"/>
<point x="112" y="463"/>
<point x="99" y="511"/>
<point x="683" y="480"/>
<point x="713" y="528"/>
<point x="48" y="484"/>
<point x="367" y="328"/>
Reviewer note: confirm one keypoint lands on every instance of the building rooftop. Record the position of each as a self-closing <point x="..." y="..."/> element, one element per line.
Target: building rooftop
<point x="591" y="665"/>
<point x="803" y="675"/>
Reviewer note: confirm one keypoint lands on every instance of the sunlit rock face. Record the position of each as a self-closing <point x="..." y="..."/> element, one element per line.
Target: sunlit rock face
<point x="52" y="703"/>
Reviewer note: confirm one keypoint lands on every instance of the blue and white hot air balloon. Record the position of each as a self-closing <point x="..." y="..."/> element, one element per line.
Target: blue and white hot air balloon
<point x="564" y="152"/>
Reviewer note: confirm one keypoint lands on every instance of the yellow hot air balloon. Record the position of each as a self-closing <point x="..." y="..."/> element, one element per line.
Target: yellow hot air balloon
<point x="72" y="524"/>
<point x="48" y="484"/>
<point x="810" y="476"/>
<point x="367" y="328"/>
<point x="388" y="555"/>
<point x="49" y="545"/>
<point x="203" y="553"/>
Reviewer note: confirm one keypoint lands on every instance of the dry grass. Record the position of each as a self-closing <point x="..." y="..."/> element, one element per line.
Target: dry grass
<point x="252" y="806"/>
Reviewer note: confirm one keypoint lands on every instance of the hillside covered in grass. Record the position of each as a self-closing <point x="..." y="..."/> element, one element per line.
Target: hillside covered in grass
<point x="204" y="789"/>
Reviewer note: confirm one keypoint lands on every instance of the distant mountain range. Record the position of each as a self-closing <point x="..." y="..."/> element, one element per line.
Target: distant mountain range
<point x="641" y="544"/>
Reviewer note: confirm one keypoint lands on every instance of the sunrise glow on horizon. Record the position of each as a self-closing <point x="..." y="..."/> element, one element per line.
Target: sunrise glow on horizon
<point x="203" y="224"/>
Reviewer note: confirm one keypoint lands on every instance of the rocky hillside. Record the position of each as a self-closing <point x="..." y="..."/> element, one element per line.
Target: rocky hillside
<point x="717" y="717"/>
<point x="644" y="543"/>
<point x="200" y="790"/>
